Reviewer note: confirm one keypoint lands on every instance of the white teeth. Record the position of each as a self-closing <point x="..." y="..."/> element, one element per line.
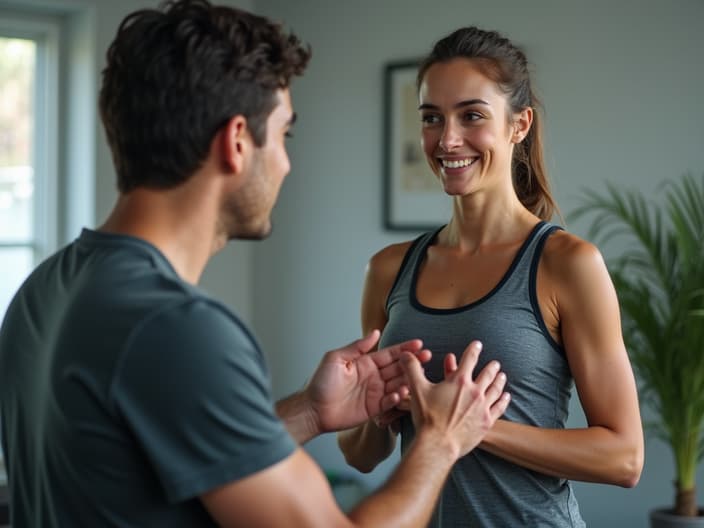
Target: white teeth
<point x="456" y="164"/>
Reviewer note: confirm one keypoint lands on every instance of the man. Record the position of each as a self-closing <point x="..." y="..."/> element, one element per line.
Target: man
<point x="131" y="398"/>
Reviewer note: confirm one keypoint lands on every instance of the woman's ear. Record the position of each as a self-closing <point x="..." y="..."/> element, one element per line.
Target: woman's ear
<point x="521" y="124"/>
<point x="235" y="144"/>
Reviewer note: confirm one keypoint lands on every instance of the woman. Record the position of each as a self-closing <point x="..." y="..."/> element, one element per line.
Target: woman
<point x="540" y="299"/>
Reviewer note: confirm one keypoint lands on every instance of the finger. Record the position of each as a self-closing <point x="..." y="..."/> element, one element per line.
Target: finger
<point x="414" y="372"/>
<point x="495" y="388"/>
<point x="488" y="375"/>
<point x="388" y="355"/>
<point x="424" y="355"/>
<point x="499" y="408"/>
<point x="469" y="359"/>
<point x="390" y="371"/>
<point x="404" y="405"/>
<point x="393" y="368"/>
<point x="450" y="364"/>
<point x="404" y="392"/>
<point x="389" y="401"/>
<point x="395" y="376"/>
<point x="396" y="384"/>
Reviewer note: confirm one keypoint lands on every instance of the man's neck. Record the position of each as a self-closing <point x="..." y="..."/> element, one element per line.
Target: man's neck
<point x="180" y="222"/>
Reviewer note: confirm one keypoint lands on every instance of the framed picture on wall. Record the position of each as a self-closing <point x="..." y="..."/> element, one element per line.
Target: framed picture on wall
<point x="413" y="197"/>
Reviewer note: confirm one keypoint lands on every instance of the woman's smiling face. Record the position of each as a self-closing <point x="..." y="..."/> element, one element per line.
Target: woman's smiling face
<point x="467" y="135"/>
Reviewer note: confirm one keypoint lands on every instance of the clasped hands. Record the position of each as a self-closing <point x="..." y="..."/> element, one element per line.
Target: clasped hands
<point x="354" y="384"/>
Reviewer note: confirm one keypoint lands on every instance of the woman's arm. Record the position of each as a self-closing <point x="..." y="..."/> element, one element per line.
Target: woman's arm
<point x="367" y="445"/>
<point x="579" y="305"/>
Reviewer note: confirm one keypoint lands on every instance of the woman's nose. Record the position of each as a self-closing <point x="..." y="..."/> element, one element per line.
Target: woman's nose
<point x="451" y="137"/>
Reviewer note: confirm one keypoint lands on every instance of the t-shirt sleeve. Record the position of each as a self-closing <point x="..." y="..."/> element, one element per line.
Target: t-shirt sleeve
<point x="194" y="389"/>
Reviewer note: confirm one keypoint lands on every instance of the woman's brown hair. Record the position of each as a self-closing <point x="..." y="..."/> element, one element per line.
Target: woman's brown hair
<point x="506" y="65"/>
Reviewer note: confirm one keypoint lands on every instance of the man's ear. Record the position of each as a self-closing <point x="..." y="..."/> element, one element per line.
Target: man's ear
<point x="235" y="144"/>
<point x="521" y="124"/>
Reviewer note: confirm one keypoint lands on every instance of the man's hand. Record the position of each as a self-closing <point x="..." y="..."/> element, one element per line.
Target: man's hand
<point x="459" y="410"/>
<point x="352" y="384"/>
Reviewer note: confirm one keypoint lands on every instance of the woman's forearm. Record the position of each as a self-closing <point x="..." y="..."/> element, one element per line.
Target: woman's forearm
<point x="592" y="454"/>
<point x="366" y="446"/>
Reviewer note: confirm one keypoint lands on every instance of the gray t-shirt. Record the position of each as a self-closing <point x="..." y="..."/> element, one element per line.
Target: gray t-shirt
<point x="126" y="393"/>
<point x="484" y="490"/>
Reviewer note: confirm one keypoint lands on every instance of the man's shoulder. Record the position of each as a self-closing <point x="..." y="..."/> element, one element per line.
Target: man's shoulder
<point x="194" y="316"/>
<point x="130" y="278"/>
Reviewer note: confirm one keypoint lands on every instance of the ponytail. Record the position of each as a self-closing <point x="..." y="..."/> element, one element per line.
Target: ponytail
<point x="506" y="65"/>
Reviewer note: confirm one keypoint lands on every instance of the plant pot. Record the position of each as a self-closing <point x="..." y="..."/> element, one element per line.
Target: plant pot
<point x="664" y="518"/>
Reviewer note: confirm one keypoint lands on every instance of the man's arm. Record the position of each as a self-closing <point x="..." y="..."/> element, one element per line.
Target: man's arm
<point x="451" y="418"/>
<point x="350" y="386"/>
<point x="295" y="494"/>
<point x="367" y="445"/>
<point x="298" y="417"/>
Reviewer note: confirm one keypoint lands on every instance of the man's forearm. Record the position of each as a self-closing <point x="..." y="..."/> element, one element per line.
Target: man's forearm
<point x="300" y="420"/>
<point x="420" y="476"/>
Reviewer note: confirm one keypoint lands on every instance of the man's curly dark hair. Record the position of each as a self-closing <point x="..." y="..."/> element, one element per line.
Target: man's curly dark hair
<point x="175" y="75"/>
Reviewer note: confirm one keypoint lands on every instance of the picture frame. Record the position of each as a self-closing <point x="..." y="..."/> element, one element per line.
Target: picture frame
<point x="413" y="197"/>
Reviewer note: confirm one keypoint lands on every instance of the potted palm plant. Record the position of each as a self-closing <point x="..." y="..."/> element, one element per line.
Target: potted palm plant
<point x="658" y="273"/>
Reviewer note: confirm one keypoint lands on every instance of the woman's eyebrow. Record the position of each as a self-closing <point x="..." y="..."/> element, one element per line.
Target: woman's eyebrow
<point x="468" y="102"/>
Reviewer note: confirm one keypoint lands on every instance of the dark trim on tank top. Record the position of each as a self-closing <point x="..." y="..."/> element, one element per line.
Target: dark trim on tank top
<point x="533" y="289"/>
<point x="404" y="263"/>
<point x="421" y="256"/>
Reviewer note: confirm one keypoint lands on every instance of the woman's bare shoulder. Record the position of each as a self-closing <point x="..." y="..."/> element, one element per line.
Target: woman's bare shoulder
<point x="568" y="256"/>
<point x="387" y="261"/>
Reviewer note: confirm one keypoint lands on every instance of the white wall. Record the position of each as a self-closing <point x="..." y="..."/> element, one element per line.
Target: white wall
<point x="622" y="86"/>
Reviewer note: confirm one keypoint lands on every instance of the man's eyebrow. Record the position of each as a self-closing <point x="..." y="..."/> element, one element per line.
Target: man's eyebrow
<point x="468" y="102"/>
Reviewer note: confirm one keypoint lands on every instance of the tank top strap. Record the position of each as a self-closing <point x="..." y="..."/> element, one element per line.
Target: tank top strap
<point x="517" y="280"/>
<point x="546" y="229"/>
<point x="411" y="261"/>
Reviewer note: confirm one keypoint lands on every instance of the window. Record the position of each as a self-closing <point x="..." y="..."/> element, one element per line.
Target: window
<point x="28" y="149"/>
<point x="47" y="179"/>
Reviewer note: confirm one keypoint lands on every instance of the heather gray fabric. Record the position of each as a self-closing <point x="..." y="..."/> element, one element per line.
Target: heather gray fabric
<point x="484" y="490"/>
<point x="126" y="393"/>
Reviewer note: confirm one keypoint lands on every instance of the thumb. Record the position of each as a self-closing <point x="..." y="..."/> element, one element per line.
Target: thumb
<point x="359" y="347"/>
<point x="367" y="343"/>
<point x="414" y="371"/>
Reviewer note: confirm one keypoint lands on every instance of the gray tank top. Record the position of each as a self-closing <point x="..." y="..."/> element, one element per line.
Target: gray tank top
<point x="484" y="490"/>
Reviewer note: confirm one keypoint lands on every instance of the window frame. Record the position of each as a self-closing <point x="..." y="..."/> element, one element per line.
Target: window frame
<point x="45" y="32"/>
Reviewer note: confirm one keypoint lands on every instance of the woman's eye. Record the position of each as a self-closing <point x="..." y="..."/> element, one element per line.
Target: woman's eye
<point x="472" y="116"/>
<point x="429" y="119"/>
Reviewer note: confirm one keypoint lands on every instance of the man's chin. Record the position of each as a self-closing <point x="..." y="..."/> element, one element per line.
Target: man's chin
<point x="253" y="234"/>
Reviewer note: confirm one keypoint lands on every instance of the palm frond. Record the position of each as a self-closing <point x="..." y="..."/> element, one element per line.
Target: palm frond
<point x="659" y="277"/>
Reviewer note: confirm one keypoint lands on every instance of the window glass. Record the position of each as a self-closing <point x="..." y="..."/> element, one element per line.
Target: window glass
<point x="17" y="121"/>
<point x="16" y="265"/>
